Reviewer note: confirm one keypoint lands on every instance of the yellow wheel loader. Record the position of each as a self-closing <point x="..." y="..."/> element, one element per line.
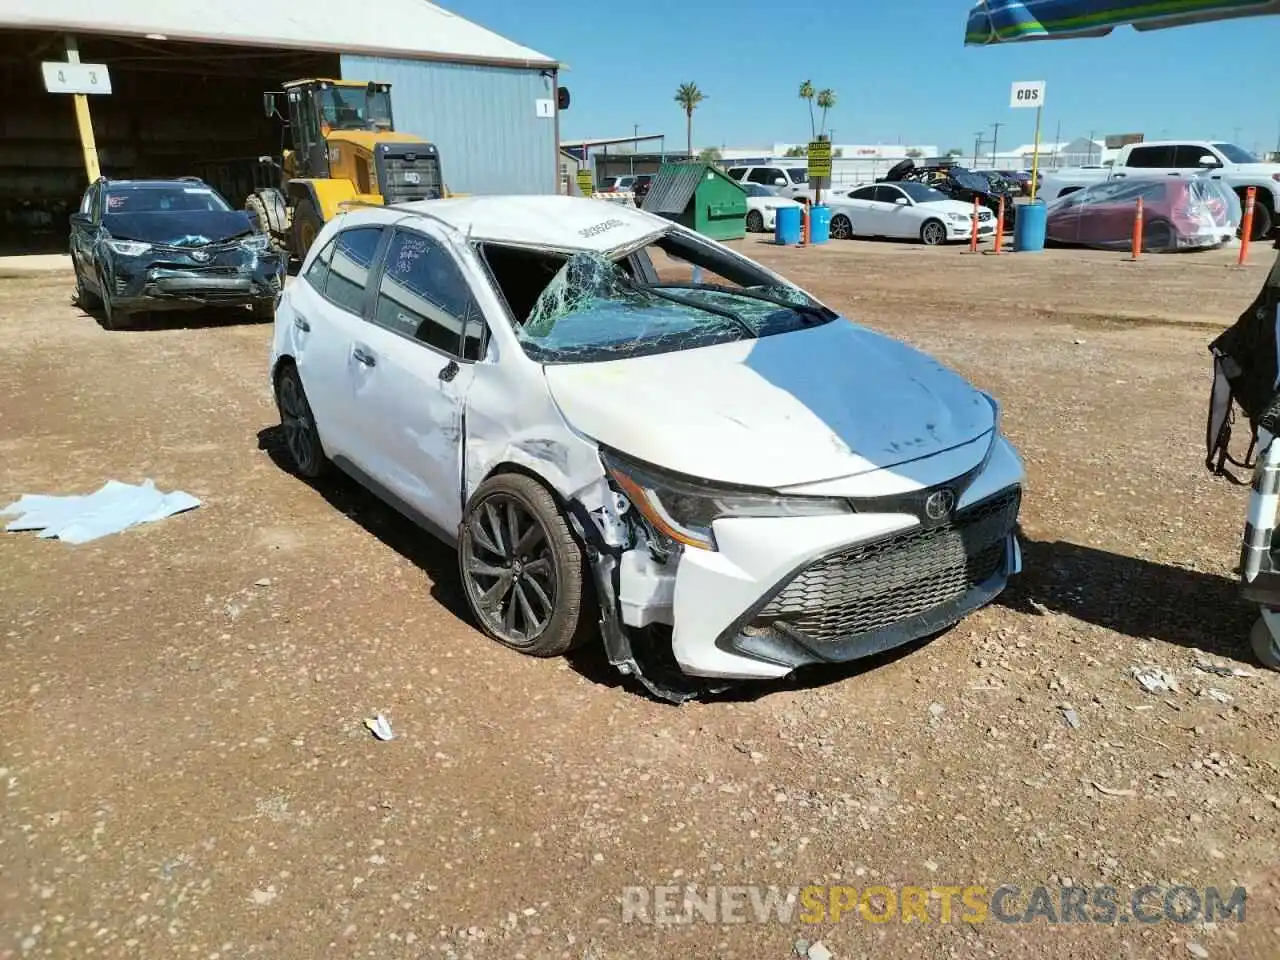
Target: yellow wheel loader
<point x="345" y="149"/>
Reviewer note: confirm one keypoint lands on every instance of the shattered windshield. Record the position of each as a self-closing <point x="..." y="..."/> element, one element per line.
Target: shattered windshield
<point x="594" y="309"/>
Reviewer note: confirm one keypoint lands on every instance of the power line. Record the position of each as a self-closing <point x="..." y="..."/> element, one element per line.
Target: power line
<point x="995" y="137"/>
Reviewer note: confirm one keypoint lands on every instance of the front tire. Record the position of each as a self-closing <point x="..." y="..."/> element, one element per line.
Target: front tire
<point x="755" y="222"/>
<point x="841" y="227"/>
<point x="1262" y="219"/>
<point x="301" y="435"/>
<point x="113" y="318"/>
<point x="933" y="233"/>
<point x="85" y="298"/>
<point x="524" y="573"/>
<point x="307" y="224"/>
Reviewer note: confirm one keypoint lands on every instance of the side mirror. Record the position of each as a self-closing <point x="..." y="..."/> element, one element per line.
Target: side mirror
<point x="269" y="105"/>
<point x="779" y="181"/>
<point x="562" y="98"/>
<point x="1209" y="160"/>
<point x="900" y="201"/>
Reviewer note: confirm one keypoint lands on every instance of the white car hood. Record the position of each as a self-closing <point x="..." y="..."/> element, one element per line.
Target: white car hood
<point x="1255" y="169"/>
<point x="816" y="404"/>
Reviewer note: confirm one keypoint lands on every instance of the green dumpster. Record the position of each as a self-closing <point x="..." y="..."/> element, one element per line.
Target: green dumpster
<point x="700" y="197"/>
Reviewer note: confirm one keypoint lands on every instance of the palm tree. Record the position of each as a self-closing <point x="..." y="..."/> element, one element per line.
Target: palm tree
<point x="807" y="94"/>
<point x="689" y="96"/>
<point x="826" y="100"/>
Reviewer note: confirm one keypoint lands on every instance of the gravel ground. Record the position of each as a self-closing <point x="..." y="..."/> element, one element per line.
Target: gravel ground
<point x="184" y="769"/>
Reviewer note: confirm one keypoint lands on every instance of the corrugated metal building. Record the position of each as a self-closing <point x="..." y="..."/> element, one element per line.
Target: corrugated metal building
<point x="187" y="83"/>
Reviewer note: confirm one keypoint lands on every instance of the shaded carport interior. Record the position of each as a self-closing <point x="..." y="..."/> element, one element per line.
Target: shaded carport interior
<point x="176" y="109"/>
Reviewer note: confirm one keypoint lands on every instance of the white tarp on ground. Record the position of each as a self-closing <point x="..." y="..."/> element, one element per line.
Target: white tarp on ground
<point x="81" y="518"/>
<point x="408" y="28"/>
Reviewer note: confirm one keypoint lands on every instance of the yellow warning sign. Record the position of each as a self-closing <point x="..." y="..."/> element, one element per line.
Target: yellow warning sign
<point x="819" y="159"/>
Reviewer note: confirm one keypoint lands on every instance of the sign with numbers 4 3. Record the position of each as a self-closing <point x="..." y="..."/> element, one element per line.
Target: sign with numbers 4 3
<point x="63" y="77"/>
<point x="1027" y="93"/>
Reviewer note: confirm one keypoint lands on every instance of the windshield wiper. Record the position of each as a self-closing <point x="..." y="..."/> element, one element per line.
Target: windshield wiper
<point x="822" y="313"/>
<point x="657" y="290"/>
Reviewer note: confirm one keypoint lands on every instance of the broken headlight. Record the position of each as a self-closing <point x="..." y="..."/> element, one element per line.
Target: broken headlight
<point x="684" y="508"/>
<point x="256" y="242"/>
<point x="129" y="248"/>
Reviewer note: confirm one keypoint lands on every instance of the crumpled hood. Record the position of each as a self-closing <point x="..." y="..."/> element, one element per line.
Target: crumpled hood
<point x="181" y="227"/>
<point x="816" y="404"/>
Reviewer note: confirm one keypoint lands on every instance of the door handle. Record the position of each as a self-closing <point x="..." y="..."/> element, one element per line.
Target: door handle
<point x="448" y="372"/>
<point x="301" y="323"/>
<point x="363" y="356"/>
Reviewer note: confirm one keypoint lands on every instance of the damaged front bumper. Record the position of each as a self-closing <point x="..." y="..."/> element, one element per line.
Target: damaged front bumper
<point x="782" y="593"/>
<point x="227" y="274"/>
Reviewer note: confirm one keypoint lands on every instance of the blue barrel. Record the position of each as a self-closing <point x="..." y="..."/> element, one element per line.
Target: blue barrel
<point x="819" y="224"/>
<point x="1029" y="227"/>
<point x="786" y="228"/>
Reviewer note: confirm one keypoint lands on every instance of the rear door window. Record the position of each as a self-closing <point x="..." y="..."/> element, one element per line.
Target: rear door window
<point x="424" y="295"/>
<point x="863" y="193"/>
<point x="1150" y="157"/>
<point x="353" y="255"/>
<point x="736" y="173"/>
<point x="318" y="271"/>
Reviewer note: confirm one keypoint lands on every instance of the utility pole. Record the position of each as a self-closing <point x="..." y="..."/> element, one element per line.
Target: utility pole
<point x="1057" y="145"/>
<point x="1090" y="154"/>
<point x="1235" y="134"/>
<point x="977" y="145"/>
<point x="635" y="144"/>
<point x="995" y="136"/>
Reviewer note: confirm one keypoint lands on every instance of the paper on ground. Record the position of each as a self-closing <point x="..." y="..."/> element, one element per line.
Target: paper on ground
<point x="81" y="518"/>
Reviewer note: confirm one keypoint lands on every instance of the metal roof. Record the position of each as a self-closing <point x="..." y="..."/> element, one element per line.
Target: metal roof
<point x="403" y="28"/>
<point x="610" y="141"/>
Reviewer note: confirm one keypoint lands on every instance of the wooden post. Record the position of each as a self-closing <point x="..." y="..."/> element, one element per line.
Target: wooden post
<point x="1000" y="226"/>
<point x="84" y="123"/>
<point x="1246" y="225"/>
<point x="1136" y="253"/>
<point x="973" y="232"/>
<point x="804" y="225"/>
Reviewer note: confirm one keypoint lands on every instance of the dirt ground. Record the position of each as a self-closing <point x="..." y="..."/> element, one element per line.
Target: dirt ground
<point x="184" y="769"/>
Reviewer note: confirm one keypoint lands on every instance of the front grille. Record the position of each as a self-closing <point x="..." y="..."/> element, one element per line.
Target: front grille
<point x="876" y="585"/>
<point x="398" y="175"/>
<point x="985" y="215"/>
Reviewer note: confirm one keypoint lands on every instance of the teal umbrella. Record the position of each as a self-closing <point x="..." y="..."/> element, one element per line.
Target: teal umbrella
<point x="1008" y="21"/>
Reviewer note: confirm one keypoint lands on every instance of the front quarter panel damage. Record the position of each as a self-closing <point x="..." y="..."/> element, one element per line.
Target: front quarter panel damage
<point x="511" y="421"/>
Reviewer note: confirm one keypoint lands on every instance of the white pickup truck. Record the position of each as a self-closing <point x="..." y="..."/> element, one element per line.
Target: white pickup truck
<point x="1233" y="165"/>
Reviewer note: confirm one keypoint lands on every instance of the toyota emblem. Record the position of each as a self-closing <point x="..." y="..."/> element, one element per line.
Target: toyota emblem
<point x="940" y="504"/>
<point x="199" y="256"/>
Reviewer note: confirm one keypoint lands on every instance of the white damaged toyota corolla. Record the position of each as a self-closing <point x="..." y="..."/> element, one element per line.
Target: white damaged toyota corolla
<point x="636" y="435"/>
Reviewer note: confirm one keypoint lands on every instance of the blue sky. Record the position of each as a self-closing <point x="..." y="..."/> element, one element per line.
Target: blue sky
<point x="899" y="69"/>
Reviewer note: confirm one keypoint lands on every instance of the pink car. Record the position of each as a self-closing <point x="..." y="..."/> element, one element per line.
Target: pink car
<point x="1178" y="214"/>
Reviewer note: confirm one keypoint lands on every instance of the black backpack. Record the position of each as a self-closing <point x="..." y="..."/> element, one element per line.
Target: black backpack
<point x="1245" y="372"/>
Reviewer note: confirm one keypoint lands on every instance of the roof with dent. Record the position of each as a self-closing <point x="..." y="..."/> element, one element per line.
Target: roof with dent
<point x="405" y="28"/>
<point x="553" y="221"/>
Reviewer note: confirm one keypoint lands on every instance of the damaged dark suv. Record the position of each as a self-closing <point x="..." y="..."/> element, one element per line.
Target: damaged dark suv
<point x="141" y="245"/>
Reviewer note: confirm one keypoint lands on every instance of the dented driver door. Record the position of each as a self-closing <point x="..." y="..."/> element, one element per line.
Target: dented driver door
<point x="411" y="372"/>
